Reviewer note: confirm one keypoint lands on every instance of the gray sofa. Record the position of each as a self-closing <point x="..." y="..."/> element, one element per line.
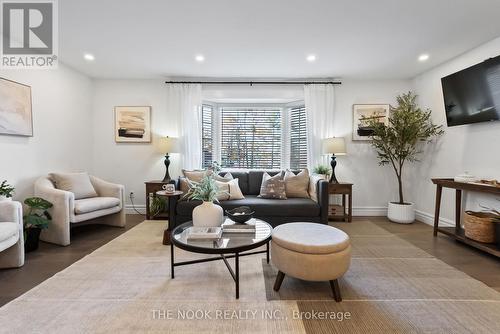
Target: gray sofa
<point x="274" y="211"/>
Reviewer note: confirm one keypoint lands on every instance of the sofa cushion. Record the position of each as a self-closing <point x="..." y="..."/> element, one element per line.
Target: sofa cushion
<point x="310" y="238"/>
<point x="298" y="207"/>
<point x="94" y="204"/>
<point x="273" y="187"/>
<point x="77" y="183"/>
<point x="242" y="180"/>
<point x="192" y="175"/>
<point x="255" y="180"/>
<point x="297" y="185"/>
<point x="8" y="230"/>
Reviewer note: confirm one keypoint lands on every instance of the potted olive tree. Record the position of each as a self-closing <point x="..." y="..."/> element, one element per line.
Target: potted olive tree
<point x="400" y="142"/>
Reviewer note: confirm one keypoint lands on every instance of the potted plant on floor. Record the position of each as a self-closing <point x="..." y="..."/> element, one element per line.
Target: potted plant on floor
<point x="35" y="220"/>
<point x="6" y="191"/>
<point x="400" y="142"/>
<point x="322" y="170"/>
<point x="207" y="214"/>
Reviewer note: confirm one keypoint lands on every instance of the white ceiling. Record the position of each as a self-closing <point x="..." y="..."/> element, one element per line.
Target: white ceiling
<point x="270" y="39"/>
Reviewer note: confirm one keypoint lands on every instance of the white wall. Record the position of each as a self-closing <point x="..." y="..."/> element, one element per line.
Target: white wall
<point x="63" y="133"/>
<point x="374" y="186"/>
<point x="127" y="163"/>
<point x="132" y="164"/>
<point x="474" y="148"/>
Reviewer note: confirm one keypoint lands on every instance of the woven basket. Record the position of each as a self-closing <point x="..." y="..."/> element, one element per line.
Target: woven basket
<point x="479" y="226"/>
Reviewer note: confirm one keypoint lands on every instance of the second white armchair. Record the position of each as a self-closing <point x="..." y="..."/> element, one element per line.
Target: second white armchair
<point x="105" y="208"/>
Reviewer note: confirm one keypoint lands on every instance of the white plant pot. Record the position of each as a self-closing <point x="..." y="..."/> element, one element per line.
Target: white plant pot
<point x="207" y="215"/>
<point x="4" y="198"/>
<point x="401" y="213"/>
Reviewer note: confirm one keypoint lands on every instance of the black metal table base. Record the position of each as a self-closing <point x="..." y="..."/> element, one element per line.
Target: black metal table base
<point x="235" y="274"/>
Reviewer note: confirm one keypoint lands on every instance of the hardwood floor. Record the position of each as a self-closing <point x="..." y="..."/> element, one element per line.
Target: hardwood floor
<point x="50" y="259"/>
<point x="479" y="265"/>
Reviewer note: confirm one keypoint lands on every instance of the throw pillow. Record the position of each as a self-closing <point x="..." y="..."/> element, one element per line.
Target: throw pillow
<point x="192" y="175"/>
<point x="272" y="187"/>
<point x="77" y="183"/>
<point x="229" y="190"/>
<point x="226" y="178"/>
<point x="297" y="185"/>
<point x="313" y="186"/>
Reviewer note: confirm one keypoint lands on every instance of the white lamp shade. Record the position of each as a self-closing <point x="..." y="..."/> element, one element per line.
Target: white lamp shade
<point x="334" y="145"/>
<point x="168" y="145"/>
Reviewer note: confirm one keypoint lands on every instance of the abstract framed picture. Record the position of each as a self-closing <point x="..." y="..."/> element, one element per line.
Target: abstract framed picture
<point x="133" y="124"/>
<point x="16" y="116"/>
<point x="362" y="113"/>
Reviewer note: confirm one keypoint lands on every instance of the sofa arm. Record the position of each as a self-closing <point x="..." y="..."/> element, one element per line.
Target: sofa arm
<point x="11" y="211"/>
<point x="63" y="206"/>
<point x="323" y="200"/>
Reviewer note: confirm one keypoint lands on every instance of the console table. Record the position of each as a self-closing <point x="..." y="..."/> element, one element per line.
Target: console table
<point x="457" y="232"/>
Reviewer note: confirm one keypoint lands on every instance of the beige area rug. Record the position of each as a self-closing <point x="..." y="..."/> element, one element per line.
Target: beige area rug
<point x="125" y="287"/>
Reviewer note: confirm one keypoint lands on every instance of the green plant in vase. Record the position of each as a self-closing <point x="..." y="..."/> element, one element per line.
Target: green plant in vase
<point x="6" y="190"/>
<point x="322" y="170"/>
<point x="37" y="219"/>
<point x="207" y="214"/>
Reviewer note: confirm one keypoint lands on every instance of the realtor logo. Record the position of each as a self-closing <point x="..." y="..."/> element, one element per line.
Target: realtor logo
<point x="29" y="34"/>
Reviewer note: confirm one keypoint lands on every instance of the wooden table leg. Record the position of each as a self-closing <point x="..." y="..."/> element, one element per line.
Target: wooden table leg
<point x="437" y="209"/>
<point x="350" y="207"/>
<point x="458" y="210"/>
<point x="344" y="209"/>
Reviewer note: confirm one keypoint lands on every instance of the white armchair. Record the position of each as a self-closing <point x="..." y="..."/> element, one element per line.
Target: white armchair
<point x="11" y="235"/>
<point x="107" y="208"/>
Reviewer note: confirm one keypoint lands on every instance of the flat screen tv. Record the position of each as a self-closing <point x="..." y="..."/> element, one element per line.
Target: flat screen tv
<point x="473" y="95"/>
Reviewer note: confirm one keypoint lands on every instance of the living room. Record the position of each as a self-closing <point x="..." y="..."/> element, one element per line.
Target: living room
<point x="330" y="125"/>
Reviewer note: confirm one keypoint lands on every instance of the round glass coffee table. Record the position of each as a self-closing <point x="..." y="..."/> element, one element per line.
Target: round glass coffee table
<point x="229" y="245"/>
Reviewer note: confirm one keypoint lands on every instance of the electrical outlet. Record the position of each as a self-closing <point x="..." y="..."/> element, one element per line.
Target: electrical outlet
<point x="132" y="195"/>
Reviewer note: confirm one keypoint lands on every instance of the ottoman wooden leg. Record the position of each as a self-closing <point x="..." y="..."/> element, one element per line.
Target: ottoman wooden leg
<point x="336" y="290"/>
<point x="279" y="280"/>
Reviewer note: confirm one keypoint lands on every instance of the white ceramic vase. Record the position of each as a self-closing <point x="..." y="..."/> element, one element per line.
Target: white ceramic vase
<point x="207" y="214"/>
<point x="401" y="213"/>
<point x="5" y="198"/>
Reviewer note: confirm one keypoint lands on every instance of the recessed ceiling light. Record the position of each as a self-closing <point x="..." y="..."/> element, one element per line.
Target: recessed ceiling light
<point x="311" y="58"/>
<point x="199" y="58"/>
<point x="423" y="57"/>
<point x="89" y="57"/>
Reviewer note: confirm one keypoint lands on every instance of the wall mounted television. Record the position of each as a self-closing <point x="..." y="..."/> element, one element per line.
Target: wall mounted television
<point x="473" y="94"/>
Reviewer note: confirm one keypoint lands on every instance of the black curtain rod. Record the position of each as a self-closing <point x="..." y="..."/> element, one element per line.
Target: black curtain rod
<point x="251" y="83"/>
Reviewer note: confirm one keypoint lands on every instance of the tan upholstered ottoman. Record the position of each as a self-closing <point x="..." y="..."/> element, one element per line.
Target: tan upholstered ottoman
<point x="312" y="252"/>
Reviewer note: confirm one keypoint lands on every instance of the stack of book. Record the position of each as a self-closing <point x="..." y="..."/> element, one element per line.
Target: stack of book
<point x="204" y="233"/>
<point x="230" y="226"/>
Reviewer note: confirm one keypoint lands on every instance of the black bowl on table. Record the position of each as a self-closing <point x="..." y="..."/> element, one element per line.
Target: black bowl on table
<point x="240" y="214"/>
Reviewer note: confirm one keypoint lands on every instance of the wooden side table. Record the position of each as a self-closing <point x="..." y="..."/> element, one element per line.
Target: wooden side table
<point x="344" y="189"/>
<point x="172" y="202"/>
<point x="151" y="188"/>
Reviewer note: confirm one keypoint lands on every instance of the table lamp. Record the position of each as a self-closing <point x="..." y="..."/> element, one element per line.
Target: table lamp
<point x="334" y="146"/>
<point x="168" y="145"/>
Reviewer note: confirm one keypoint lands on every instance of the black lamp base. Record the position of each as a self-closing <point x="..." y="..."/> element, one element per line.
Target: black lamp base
<point x="333" y="163"/>
<point x="167" y="163"/>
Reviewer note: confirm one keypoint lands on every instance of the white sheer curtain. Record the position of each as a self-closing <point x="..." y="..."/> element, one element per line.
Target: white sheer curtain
<point x="185" y="100"/>
<point x="319" y="101"/>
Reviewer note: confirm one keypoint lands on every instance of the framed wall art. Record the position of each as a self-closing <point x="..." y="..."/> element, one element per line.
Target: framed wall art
<point x="364" y="112"/>
<point x="16" y="116"/>
<point x="133" y="124"/>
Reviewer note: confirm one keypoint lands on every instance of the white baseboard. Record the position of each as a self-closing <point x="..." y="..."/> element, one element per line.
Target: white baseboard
<point x="428" y="219"/>
<point x="129" y="209"/>
<point x="364" y="211"/>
